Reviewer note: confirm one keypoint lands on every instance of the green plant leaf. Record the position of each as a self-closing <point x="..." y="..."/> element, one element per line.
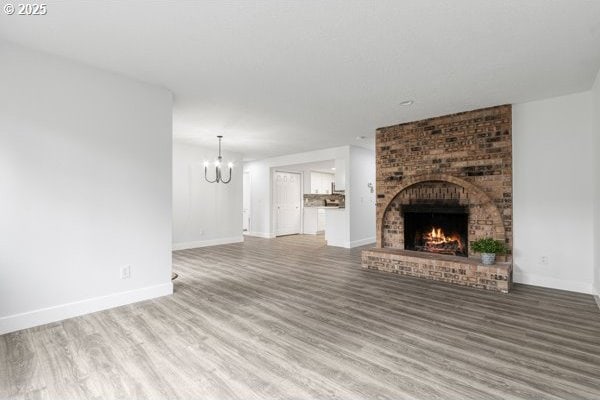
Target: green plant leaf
<point x="488" y="245"/>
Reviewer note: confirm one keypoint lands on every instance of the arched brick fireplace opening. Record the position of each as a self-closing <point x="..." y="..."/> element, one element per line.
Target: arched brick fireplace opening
<point x="438" y="194"/>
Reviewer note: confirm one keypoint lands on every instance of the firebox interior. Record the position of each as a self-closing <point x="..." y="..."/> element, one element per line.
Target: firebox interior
<point x="440" y="229"/>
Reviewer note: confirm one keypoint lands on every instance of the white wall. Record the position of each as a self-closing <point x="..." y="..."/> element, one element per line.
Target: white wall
<point x="362" y="201"/>
<point x="553" y="195"/>
<point x="85" y="188"/>
<point x="205" y="214"/>
<point x="596" y="149"/>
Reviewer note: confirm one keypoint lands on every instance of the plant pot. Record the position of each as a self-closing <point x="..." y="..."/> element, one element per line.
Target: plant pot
<point x="488" y="258"/>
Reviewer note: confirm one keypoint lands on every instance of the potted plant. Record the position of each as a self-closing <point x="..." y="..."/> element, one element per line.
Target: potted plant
<point x="488" y="248"/>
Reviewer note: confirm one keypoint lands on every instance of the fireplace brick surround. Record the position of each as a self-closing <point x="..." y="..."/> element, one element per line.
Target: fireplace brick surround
<point x="462" y="159"/>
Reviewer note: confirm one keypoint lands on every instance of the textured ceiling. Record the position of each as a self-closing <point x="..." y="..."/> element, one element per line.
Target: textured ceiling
<point x="279" y="77"/>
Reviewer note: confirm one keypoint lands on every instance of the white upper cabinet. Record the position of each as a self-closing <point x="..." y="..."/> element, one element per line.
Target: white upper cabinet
<point x="320" y="183"/>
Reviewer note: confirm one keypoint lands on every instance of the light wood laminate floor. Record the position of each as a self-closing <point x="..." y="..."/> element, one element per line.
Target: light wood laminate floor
<point x="290" y="318"/>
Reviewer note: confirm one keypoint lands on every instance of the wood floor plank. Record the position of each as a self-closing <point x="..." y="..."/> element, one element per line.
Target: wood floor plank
<point x="291" y="318"/>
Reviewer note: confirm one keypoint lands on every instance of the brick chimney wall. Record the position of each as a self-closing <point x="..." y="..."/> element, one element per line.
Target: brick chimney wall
<point x="463" y="158"/>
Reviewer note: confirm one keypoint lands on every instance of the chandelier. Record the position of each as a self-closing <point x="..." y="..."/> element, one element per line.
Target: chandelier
<point x="218" y="175"/>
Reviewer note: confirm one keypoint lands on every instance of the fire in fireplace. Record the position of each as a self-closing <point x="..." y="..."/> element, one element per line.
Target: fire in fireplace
<point x="436" y="229"/>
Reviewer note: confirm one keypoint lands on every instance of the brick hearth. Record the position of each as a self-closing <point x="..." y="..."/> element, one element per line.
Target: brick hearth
<point x="462" y="159"/>
<point x="443" y="268"/>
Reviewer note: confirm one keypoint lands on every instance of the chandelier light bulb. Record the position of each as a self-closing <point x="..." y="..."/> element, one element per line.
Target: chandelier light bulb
<point x="230" y="165"/>
<point x="217" y="163"/>
<point x="205" y="164"/>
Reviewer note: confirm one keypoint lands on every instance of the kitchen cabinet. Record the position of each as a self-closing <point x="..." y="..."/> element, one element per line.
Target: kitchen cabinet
<point x="320" y="183"/>
<point x="314" y="220"/>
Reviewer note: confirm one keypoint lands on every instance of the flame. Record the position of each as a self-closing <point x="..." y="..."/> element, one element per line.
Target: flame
<point x="436" y="239"/>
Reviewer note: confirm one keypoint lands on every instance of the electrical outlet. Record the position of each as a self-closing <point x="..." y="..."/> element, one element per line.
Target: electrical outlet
<point x="126" y="272"/>
<point x="544" y="260"/>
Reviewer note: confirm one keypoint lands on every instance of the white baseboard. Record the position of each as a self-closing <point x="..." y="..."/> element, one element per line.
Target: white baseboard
<point x="537" y="280"/>
<point x="362" y="242"/>
<point x="205" y="243"/>
<point x="350" y="245"/>
<point x="333" y="243"/>
<point x="264" y="235"/>
<point x="47" y="315"/>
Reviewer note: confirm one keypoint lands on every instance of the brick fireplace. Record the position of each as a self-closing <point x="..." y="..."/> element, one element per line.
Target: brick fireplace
<point x="441" y="184"/>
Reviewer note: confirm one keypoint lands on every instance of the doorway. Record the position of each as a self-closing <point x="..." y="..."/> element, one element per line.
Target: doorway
<point x="287" y="202"/>
<point x="246" y="190"/>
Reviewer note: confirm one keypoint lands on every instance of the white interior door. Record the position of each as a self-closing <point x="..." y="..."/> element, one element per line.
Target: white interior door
<point x="246" y="202"/>
<point x="287" y="202"/>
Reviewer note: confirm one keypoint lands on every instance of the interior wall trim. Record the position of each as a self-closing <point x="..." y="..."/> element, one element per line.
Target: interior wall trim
<point x="47" y="315"/>
<point x="206" y="243"/>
